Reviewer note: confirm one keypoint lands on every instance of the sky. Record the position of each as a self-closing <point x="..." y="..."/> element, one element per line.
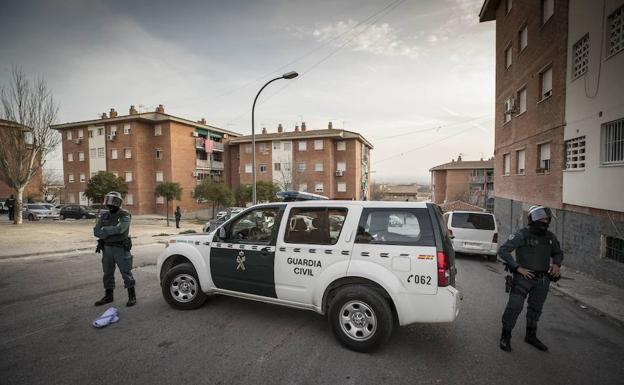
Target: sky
<point x="415" y="78"/>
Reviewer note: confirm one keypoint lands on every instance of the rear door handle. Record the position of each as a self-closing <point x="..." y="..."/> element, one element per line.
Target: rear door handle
<point x="264" y="251"/>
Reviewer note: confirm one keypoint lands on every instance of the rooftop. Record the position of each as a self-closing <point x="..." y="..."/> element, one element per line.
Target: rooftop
<point x="460" y="164"/>
<point x="488" y="10"/>
<point x="401" y="189"/>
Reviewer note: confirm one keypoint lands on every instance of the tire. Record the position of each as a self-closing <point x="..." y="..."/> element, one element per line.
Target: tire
<point x="31" y="217"/>
<point x="356" y="305"/>
<point x="62" y="217"/>
<point x="491" y="258"/>
<point x="83" y="216"/>
<point x="181" y="288"/>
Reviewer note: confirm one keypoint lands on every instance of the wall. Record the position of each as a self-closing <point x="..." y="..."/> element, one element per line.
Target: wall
<point x="438" y="184"/>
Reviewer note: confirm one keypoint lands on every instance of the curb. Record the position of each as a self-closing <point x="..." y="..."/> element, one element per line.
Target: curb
<point x="588" y="306"/>
<point x="82" y="250"/>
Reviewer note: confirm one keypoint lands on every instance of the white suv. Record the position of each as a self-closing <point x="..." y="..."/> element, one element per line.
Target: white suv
<point x="473" y="232"/>
<point x="349" y="260"/>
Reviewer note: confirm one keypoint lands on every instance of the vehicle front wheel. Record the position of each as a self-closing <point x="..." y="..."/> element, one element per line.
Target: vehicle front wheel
<point x="62" y="217"/>
<point x="181" y="288"/>
<point x="84" y="216"/>
<point x="360" y="318"/>
<point x="31" y="217"/>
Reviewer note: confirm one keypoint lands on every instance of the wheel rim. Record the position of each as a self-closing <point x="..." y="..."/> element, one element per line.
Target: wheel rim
<point x="184" y="288"/>
<point x="357" y="320"/>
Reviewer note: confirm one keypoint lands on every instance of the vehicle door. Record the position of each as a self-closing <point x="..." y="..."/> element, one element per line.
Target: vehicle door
<point x="71" y="212"/>
<point x="243" y="259"/>
<point x="313" y="240"/>
<point x="402" y="241"/>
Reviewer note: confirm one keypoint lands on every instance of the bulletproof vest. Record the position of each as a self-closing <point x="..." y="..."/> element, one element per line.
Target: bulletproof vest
<point x="110" y="219"/>
<point x="536" y="252"/>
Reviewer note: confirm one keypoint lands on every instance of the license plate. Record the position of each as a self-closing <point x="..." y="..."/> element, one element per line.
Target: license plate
<point x="472" y="244"/>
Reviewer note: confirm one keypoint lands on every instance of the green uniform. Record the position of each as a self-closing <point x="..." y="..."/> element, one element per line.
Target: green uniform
<point x="113" y="229"/>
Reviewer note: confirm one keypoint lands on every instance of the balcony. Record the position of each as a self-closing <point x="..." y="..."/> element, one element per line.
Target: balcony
<point x="216" y="165"/>
<point x="199" y="144"/>
<point x="477" y="179"/>
<point x="217" y="146"/>
<point x="202" y="164"/>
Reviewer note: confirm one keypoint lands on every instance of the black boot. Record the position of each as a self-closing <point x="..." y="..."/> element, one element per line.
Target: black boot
<point x="131" y="297"/>
<point x="505" y="340"/>
<point x="531" y="339"/>
<point x="108" y="297"/>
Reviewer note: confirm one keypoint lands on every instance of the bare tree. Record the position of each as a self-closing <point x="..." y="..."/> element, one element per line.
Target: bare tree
<point x="24" y="148"/>
<point x="51" y="185"/>
<point x="288" y="177"/>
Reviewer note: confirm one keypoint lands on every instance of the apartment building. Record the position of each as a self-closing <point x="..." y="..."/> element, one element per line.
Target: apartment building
<point x="558" y="137"/>
<point x="33" y="189"/>
<point x="144" y="148"/>
<point x="459" y="180"/>
<point x="330" y="162"/>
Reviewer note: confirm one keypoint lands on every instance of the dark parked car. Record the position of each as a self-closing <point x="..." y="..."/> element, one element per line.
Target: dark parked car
<point x="77" y="212"/>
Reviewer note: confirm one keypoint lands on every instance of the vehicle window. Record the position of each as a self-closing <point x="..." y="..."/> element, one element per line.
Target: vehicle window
<point x="473" y="221"/>
<point x="383" y="226"/>
<point x="37" y="207"/>
<point x="256" y="226"/>
<point x="315" y="225"/>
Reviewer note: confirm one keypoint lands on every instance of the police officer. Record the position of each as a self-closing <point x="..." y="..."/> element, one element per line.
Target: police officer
<point x="178" y="216"/>
<point x="112" y="230"/>
<point x="10" y="204"/>
<point x="538" y="259"/>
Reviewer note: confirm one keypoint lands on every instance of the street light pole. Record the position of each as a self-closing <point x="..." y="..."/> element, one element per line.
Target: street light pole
<point x="287" y="75"/>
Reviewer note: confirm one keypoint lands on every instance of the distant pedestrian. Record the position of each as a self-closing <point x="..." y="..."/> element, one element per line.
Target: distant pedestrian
<point x="10" y="204"/>
<point x="178" y="216"/>
<point x="538" y="259"/>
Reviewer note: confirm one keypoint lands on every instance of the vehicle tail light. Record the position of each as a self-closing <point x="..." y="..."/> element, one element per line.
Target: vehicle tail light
<point x="444" y="269"/>
<point x="495" y="238"/>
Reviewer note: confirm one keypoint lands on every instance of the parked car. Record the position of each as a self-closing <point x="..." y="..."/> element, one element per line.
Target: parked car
<point x="220" y="218"/>
<point x="473" y="232"/>
<point x="77" y="212"/>
<point x="363" y="274"/>
<point x="221" y="214"/>
<point x="37" y="211"/>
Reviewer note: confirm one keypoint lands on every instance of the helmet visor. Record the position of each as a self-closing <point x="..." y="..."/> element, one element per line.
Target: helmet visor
<point x="539" y="213"/>
<point x="111" y="200"/>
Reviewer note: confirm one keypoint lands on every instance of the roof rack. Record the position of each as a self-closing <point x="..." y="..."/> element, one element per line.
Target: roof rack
<point x="294" y="196"/>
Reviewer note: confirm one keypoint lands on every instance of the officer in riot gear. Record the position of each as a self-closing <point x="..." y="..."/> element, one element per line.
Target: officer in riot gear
<point x="538" y="259"/>
<point x="112" y="229"/>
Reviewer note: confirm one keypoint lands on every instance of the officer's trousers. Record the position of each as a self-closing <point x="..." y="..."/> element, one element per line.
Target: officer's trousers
<point x="536" y="290"/>
<point x="115" y="255"/>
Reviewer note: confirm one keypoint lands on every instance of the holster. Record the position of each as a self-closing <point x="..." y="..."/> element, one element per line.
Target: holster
<point x="127" y="244"/>
<point x="508" y="283"/>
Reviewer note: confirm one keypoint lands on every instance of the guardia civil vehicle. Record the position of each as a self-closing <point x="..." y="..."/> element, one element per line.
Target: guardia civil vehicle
<point x="368" y="266"/>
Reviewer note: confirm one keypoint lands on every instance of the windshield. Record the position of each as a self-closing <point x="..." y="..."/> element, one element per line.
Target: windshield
<point x="473" y="221"/>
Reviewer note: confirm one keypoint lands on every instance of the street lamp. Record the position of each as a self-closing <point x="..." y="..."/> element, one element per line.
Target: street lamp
<point x="287" y="75"/>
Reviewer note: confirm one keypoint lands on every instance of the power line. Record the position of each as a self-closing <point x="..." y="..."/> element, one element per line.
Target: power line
<point x="435" y="127"/>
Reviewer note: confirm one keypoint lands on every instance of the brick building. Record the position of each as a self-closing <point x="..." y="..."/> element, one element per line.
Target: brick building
<point x="330" y="162"/>
<point x="466" y="181"/>
<point x="559" y="76"/>
<point x="145" y="148"/>
<point x="33" y="189"/>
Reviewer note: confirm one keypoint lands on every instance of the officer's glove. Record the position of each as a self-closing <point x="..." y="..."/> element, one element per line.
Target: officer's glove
<point x="100" y="246"/>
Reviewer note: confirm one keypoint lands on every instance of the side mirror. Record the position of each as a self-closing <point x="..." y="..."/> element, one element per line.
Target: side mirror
<point x="222" y="233"/>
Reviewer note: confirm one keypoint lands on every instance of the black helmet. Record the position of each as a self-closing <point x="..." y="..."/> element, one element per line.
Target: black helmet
<point x="539" y="212"/>
<point x="113" y="198"/>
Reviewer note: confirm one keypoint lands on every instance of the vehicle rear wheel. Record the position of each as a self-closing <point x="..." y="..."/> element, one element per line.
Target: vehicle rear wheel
<point x="360" y="318"/>
<point x="84" y="216"/>
<point x="31" y="217"/>
<point x="181" y="288"/>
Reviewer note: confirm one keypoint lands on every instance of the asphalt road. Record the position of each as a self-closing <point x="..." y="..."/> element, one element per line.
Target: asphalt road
<point x="46" y="310"/>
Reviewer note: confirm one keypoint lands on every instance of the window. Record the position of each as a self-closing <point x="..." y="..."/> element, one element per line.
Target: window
<point x="159" y="176"/>
<point x="303" y="187"/>
<point x="127" y="129"/>
<point x="159" y="153"/>
<point x="508" y="5"/>
<point x="114" y="154"/>
<point x="70" y="157"/>
<point x="520" y="162"/>
<point x="473" y="221"/>
<point x="508" y="56"/>
<point x="263" y="148"/>
<point x="113" y="130"/>
<point x="342" y="187"/>
<point x="101" y="153"/>
<point x="318" y="187"/>
<point x="80" y="134"/>
<point x="160" y="200"/>
<point x="548" y="9"/>
<point x="315" y="225"/>
<point x="580" y="57"/>
<point x="546" y="83"/>
<point x="93" y="173"/>
<point x="157" y="130"/>
<point x="129" y="200"/>
<point x="128" y="176"/>
<point x="341" y="146"/>
<point x="257" y="226"/>
<point x="318" y="167"/>
<point x="506" y="164"/>
<point x="100" y="131"/>
<point x="614" y="248"/>
<point x="287" y="146"/>
<point x="522" y="95"/>
<point x="523" y="38"/>
<point x="543" y="151"/>
<point x="70" y="178"/>
<point x="277" y="166"/>
<point x="410" y="227"/>
<point x="575" y="153"/>
<point x="82" y="177"/>
<point x="507" y="114"/>
<point x="303" y="146"/>
<point x="248" y="169"/>
<point x="318" y="144"/>
<point x="116" y="174"/>
<point x="341" y="166"/>
<point x="71" y="198"/>
<point x="613" y="143"/>
<point x="69" y="135"/>
<point x="248" y="149"/>
<point x="93" y="153"/>
<point x="301" y="166"/>
<point x="615" y="31"/>
<point x="81" y="157"/>
<point x="277" y="146"/>
<point x="128" y="153"/>
<point x="90" y="133"/>
<point x="263" y="168"/>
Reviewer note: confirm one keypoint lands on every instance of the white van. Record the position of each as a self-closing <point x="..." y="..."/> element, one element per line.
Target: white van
<point x="473" y="232"/>
<point x="366" y="265"/>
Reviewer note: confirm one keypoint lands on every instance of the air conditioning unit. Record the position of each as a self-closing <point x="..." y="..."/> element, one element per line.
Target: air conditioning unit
<point x="194" y="134"/>
<point x="509" y="105"/>
<point x="339" y="172"/>
<point x="112" y="137"/>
